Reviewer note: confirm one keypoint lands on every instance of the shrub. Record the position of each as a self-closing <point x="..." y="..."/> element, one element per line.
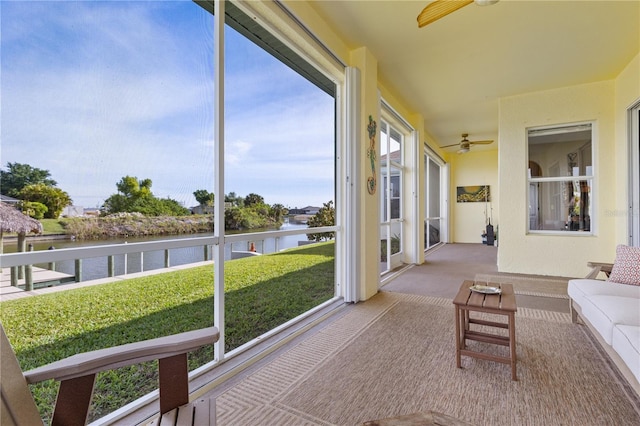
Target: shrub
<point x="33" y="208"/>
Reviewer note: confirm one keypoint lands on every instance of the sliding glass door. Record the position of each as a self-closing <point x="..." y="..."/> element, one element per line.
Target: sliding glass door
<point x="391" y="203"/>
<point x="634" y="175"/>
<point x="435" y="204"/>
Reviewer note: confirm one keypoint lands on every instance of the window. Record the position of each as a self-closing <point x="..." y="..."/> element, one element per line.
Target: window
<point x="560" y="178"/>
<point x="279" y="145"/>
<point x="96" y="91"/>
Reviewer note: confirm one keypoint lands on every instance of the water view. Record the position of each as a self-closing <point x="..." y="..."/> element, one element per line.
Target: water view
<point x="96" y="268"/>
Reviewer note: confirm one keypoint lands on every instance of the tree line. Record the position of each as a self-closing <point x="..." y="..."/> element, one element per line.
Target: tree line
<point x="38" y="193"/>
<point x="41" y="198"/>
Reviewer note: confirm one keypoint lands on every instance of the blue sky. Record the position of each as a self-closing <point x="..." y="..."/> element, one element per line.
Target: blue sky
<point x="94" y="91"/>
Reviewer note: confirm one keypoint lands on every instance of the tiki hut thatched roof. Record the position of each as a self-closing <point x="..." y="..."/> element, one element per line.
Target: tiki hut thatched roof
<point x="14" y="221"/>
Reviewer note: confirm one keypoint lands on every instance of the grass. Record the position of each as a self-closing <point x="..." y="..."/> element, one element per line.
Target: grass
<point x="49" y="227"/>
<point x="52" y="226"/>
<point x="261" y="293"/>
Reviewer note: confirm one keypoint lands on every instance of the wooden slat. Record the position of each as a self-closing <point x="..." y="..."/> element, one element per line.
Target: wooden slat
<point x="463" y="294"/>
<point x="488" y="323"/>
<point x="205" y="412"/>
<point x="174" y="382"/>
<point x="476" y="299"/>
<point x="488" y="357"/>
<point x="153" y="422"/>
<point x="492" y="301"/>
<point x="201" y="412"/>
<point x="487" y="338"/>
<point x="507" y="288"/>
<point x="169" y="418"/>
<point x="508" y="298"/>
<point x="74" y="398"/>
<point x="185" y="416"/>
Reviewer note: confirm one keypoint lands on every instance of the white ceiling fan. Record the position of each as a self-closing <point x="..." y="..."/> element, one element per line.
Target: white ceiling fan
<point x="441" y="8"/>
<point x="465" y="144"/>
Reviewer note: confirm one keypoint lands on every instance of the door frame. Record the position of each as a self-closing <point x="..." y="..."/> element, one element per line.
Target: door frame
<point x="634" y="173"/>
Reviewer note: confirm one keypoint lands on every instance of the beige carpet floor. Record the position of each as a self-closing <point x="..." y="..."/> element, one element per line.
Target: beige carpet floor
<point x="529" y="285"/>
<point x="395" y="355"/>
<point x="447" y="266"/>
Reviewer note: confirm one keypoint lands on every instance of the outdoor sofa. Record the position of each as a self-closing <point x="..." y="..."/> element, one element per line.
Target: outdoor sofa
<point x="611" y="309"/>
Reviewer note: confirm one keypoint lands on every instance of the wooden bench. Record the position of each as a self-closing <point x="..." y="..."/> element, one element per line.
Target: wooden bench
<point x="77" y="373"/>
<point x="597" y="267"/>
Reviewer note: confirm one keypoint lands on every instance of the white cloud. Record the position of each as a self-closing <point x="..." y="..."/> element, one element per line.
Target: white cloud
<point x="235" y="152"/>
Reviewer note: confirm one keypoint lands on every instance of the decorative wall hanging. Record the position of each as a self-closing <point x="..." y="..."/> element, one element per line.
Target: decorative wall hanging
<point x="473" y="194"/>
<point x="371" y="153"/>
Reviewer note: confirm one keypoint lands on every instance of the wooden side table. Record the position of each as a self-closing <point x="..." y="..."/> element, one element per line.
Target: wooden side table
<point x="419" y="419"/>
<point x="467" y="301"/>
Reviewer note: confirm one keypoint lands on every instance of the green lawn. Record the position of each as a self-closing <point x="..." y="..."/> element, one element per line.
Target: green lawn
<point x="261" y="293"/>
<point x="52" y="226"/>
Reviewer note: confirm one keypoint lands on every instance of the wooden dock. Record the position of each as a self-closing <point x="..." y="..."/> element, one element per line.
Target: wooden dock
<point x="42" y="278"/>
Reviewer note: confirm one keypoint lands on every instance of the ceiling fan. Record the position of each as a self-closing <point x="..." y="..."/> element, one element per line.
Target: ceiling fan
<point x="465" y="144"/>
<point x="441" y="8"/>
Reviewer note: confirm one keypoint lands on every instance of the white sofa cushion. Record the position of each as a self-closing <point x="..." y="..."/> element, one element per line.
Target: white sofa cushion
<point x="579" y="288"/>
<point x="626" y="343"/>
<point x="604" y="312"/>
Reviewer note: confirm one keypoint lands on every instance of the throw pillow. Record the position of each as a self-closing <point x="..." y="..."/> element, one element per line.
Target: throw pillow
<point x="626" y="268"/>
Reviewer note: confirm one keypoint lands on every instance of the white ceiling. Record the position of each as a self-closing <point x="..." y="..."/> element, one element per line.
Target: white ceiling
<point x="454" y="70"/>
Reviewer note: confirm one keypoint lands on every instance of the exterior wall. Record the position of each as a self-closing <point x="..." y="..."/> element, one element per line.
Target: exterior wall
<point x="562" y="255"/>
<point x="468" y="219"/>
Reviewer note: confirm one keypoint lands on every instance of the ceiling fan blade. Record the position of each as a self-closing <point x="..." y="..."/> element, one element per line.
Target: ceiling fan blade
<point x="480" y="142"/>
<point x="439" y="9"/>
<point x="449" y="146"/>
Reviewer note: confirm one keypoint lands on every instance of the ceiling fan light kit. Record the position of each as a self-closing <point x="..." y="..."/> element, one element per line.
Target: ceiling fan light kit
<point x="485" y="2"/>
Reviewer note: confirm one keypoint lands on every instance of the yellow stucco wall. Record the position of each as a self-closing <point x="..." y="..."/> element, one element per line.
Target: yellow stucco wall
<point x="563" y="255"/>
<point x="468" y="219"/>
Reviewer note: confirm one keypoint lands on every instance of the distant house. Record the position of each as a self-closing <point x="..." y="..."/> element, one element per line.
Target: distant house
<point x="9" y="200"/>
<point x="202" y="209"/>
<point x="302" y="215"/>
<point x="72" y="211"/>
<point x="309" y="210"/>
<point x="91" y="211"/>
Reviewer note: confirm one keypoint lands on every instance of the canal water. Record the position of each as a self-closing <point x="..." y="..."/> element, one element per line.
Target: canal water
<point x="96" y="268"/>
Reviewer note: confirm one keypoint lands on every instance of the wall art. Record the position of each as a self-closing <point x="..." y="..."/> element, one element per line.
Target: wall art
<point x="473" y="194"/>
<point x="371" y="153"/>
